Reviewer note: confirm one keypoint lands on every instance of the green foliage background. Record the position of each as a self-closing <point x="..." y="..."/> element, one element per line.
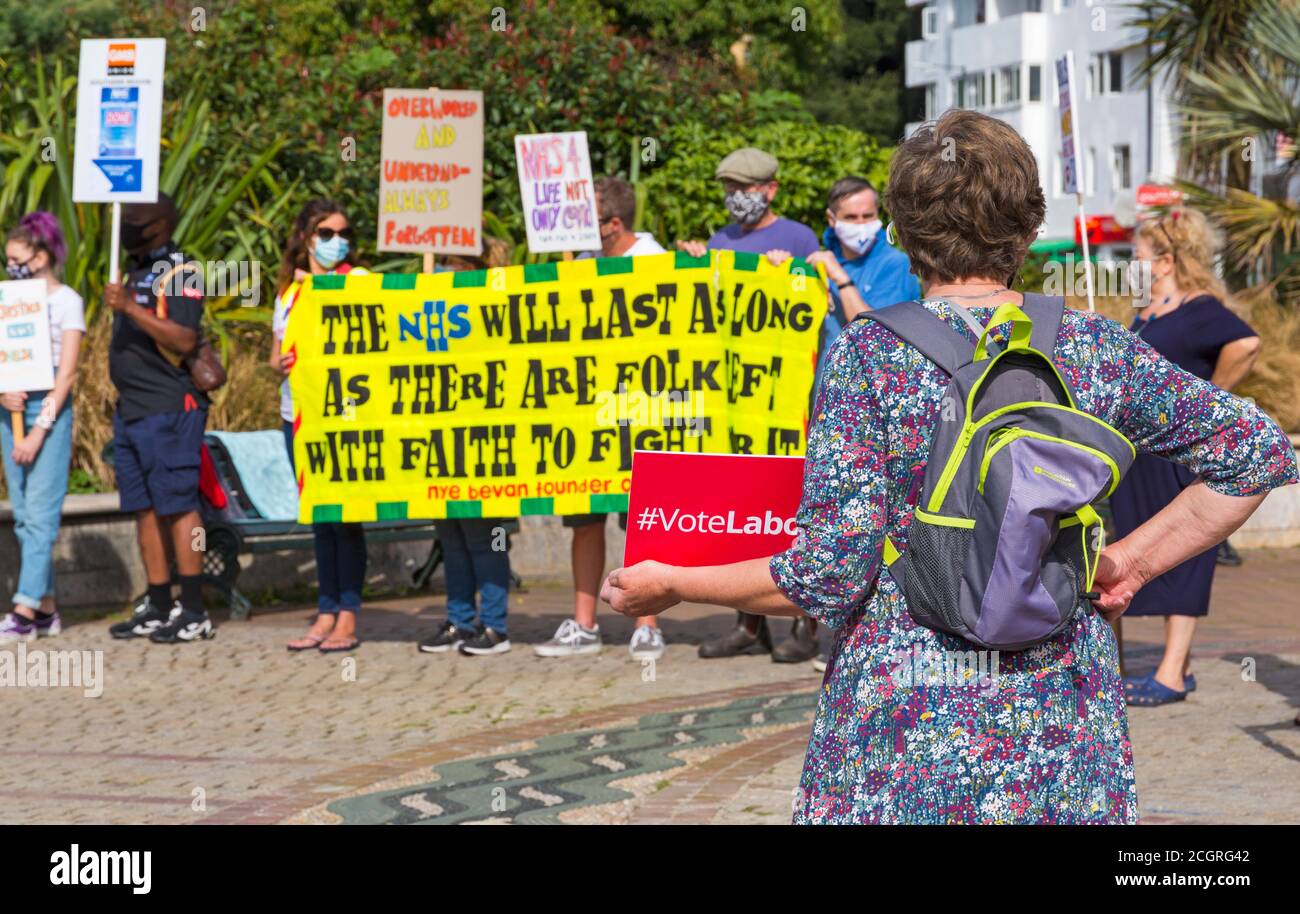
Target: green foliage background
<point x="267" y="101"/>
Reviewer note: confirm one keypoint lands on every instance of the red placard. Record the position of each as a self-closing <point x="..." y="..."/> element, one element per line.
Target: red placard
<point x="1102" y="230"/>
<point x="1149" y="195"/>
<point x="710" y="509"/>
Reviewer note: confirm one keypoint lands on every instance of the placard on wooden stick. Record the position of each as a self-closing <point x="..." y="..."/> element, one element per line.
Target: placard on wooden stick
<point x="431" y="172"/>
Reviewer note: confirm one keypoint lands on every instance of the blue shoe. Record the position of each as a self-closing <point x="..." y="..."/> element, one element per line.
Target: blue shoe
<point x="1189" y="683"/>
<point x="1148" y="693"/>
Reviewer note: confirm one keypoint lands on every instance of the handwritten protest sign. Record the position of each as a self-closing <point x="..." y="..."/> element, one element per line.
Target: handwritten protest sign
<point x="558" y="196"/>
<point x="26" y="360"/>
<point x="526" y="389"/>
<point x="431" y="172"/>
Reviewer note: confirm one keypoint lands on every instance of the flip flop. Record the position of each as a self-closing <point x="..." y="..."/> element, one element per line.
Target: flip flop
<point x="350" y="645"/>
<point x="1148" y="693"/>
<point x="307" y="642"/>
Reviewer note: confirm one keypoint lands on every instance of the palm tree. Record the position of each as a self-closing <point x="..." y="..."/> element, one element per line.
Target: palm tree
<point x="1234" y="68"/>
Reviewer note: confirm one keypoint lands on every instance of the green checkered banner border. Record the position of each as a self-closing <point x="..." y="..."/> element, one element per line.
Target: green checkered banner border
<point x="527" y="389"/>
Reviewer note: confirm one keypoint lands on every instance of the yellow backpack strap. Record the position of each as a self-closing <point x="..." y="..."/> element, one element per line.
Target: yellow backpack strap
<point x="891" y="551"/>
<point x="1088" y="516"/>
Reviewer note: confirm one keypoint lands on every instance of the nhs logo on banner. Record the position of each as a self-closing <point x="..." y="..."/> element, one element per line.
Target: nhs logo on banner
<point x="435" y="325"/>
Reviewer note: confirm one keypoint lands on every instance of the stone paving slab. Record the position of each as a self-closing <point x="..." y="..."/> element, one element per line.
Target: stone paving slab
<point x="239" y="730"/>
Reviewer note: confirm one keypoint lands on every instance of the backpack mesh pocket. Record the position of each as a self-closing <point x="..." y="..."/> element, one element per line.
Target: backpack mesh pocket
<point x="936" y="558"/>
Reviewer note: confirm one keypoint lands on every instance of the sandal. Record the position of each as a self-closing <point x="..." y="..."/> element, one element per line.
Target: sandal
<point x="1149" y="693"/>
<point x="310" y="640"/>
<point x="307" y="642"/>
<point x="348" y="645"/>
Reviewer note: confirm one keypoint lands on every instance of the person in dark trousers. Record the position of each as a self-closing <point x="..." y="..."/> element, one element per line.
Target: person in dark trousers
<point x="159" y="421"/>
<point x="475" y="550"/>
<point x="1188" y="323"/>
<point x="320" y="244"/>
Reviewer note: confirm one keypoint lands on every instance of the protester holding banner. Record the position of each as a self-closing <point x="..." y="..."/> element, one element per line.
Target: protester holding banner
<point x="1188" y="324"/>
<point x="475" y="550"/>
<point x="36" y="469"/>
<point x="320" y="244"/>
<point x="749" y="185"/>
<point x="1045" y="737"/>
<point x="159" y="421"/>
<point x="616" y="211"/>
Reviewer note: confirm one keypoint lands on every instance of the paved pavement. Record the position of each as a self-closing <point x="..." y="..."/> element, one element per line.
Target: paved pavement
<point x="239" y="730"/>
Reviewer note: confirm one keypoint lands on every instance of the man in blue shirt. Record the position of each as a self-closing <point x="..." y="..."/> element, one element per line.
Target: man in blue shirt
<point x="865" y="270"/>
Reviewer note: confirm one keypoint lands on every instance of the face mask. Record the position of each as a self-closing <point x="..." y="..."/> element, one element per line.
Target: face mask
<point x="132" y="235"/>
<point x="857" y="236"/>
<point x="330" y="253"/>
<point x="746" y="206"/>
<point x="1139" y="282"/>
<point x="19" y="270"/>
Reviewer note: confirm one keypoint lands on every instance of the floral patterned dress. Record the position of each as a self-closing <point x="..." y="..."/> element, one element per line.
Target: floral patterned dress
<point x="1046" y="738"/>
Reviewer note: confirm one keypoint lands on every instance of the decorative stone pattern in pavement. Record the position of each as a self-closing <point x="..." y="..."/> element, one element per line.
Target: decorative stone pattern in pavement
<point x="568" y="770"/>
<point x="238" y="730"/>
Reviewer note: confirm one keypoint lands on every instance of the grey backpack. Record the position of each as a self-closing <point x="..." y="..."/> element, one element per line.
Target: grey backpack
<point x="1003" y="544"/>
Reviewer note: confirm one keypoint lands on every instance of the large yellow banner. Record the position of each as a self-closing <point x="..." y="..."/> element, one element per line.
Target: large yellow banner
<point x="526" y="389"/>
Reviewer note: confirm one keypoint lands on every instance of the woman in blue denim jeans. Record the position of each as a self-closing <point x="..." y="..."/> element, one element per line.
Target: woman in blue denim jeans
<point x="36" y="468"/>
<point x="320" y="243"/>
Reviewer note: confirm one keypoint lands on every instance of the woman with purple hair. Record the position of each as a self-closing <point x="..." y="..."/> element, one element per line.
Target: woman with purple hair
<point x="36" y="468"/>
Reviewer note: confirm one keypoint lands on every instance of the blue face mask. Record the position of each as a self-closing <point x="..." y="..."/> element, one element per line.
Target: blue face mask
<point x="330" y="253"/>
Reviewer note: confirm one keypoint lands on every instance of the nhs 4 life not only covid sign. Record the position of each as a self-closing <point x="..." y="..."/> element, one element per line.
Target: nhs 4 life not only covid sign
<point x="119" y="120"/>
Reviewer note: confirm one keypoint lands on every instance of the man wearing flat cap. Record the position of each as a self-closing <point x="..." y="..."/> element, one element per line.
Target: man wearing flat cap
<point x="749" y="184"/>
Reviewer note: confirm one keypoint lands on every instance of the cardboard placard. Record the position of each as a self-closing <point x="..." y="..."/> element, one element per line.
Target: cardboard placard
<point x="26" y="359"/>
<point x="557" y="192"/>
<point x="431" y="172"/>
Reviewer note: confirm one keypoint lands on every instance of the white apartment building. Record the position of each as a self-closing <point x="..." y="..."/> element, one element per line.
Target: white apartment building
<point x="997" y="56"/>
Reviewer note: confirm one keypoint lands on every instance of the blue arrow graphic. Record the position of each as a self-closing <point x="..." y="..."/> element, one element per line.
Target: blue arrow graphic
<point x="123" y="175"/>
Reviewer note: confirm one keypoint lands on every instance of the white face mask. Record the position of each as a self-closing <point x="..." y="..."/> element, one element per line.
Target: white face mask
<point x="1139" y="281"/>
<point x="857" y="236"/>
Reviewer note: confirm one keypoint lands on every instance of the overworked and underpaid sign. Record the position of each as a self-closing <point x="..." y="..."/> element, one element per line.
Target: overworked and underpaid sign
<point x="711" y="509"/>
<point x="431" y="172"/>
<point x="527" y="389"/>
